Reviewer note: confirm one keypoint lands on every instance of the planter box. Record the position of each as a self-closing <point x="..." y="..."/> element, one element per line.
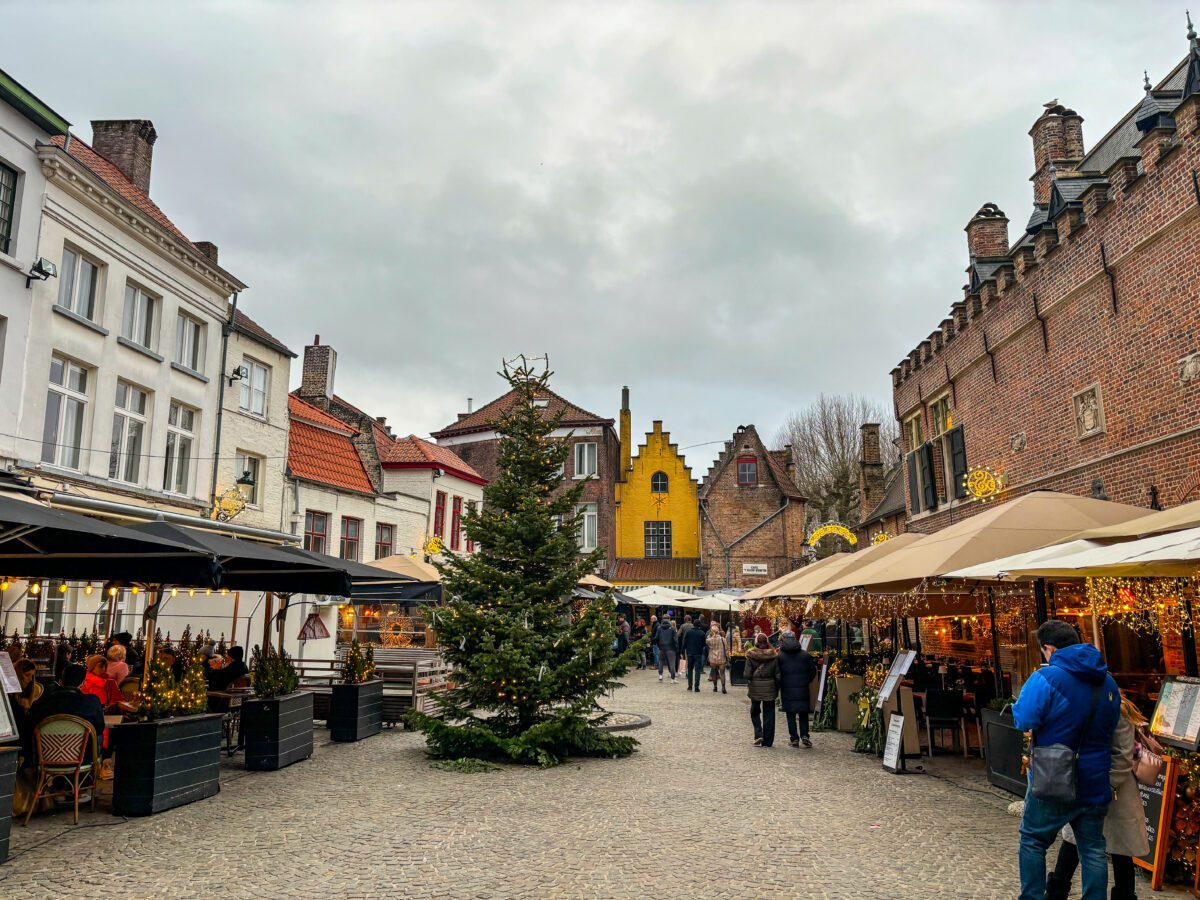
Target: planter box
<point x="737" y="670"/>
<point x="277" y="732"/>
<point x="8" y="777"/>
<point x="164" y="764"/>
<point x="847" y="709"/>
<point x="356" y="710"/>
<point x="1003" y="747"/>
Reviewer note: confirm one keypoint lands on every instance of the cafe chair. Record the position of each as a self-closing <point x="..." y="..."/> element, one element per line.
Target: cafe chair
<point x="62" y="743"/>
<point x="944" y="711"/>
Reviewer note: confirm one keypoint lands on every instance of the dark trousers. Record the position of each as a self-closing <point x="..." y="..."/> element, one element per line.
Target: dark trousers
<point x="762" y="716"/>
<point x="792" y="717"/>
<point x="694" y="670"/>
<point x="667" y="658"/>
<point x="1124" y="881"/>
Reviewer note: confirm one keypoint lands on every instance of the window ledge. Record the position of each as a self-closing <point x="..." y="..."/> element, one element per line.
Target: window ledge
<point x="199" y="376"/>
<point x="11" y="262"/>
<point x="76" y="317"/>
<point x="134" y="345"/>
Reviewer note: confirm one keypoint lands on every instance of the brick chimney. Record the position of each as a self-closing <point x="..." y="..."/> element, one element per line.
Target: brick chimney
<point x="1057" y="144"/>
<point x="987" y="233"/>
<point x="209" y="249"/>
<point x="129" y="145"/>
<point x="870" y="470"/>
<point x="626" y="435"/>
<point x="320" y="364"/>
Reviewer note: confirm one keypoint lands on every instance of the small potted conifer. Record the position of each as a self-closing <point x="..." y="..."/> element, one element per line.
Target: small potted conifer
<point x="172" y="755"/>
<point x="356" y="705"/>
<point x="277" y="725"/>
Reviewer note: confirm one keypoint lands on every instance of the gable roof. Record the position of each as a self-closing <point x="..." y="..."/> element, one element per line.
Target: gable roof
<point x="243" y="324"/>
<point x="415" y="452"/>
<point x="321" y="449"/>
<point x="776" y="466"/>
<point x="487" y="416"/>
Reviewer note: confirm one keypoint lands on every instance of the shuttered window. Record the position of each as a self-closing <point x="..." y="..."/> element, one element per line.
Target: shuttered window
<point x="958" y="461"/>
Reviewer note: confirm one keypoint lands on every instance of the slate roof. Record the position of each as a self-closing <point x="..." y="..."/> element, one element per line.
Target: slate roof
<point x="487" y="416"/>
<point x="1120" y="140"/>
<point x="415" y="451"/>
<point x="243" y="324"/>
<point x="321" y="449"/>
<point x="679" y="570"/>
<point x="892" y="502"/>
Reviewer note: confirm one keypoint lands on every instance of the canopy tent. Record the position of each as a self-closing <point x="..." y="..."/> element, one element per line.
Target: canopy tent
<point x="400" y="564"/>
<point x="657" y="595"/>
<point x="1001" y="569"/>
<point x="783" y="584"/>
<point x="39" y="542"/>
<point x="851" y="562"/>
<point x="1175" y="519"/>
<point x="1027" y="523"/>
<point x="249" y="566"/>
<point x="595" y="582"/>
<point x="716" y="602"/>
<point x="1173" y="554"/>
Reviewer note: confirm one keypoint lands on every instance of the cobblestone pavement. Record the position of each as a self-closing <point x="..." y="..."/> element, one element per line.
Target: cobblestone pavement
<point x="697" y="812"/>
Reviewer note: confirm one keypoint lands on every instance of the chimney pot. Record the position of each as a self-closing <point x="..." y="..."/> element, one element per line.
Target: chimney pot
<point x="470" y="405"/>
<point x="1057" y="145"/>
<point x="129" y="145"/>
<point x="987" y="233"/>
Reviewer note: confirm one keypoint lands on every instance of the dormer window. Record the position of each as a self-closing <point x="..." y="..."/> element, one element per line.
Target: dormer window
<point x="540" y="402"/>
<point x="747" y="471"/>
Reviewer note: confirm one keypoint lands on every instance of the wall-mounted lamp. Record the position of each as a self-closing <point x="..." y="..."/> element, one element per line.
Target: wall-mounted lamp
<point x="238" y="374"/>
<point x="40" y="270"/>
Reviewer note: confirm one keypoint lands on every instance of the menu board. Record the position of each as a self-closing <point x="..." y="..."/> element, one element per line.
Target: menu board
<point x="8" y="722"/>
<point x="821" y="684"/>
<point x="1158" y="803"/>
<point x="895" y="737"/>
<point x="805" y="640"/>
<point x="899" y="668"/>
<point x="9" y="683"/>
<point x="1176" y="718"/>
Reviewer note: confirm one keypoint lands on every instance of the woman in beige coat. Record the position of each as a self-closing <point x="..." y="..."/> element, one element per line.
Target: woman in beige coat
<point x="718" y="655"/>
<point x="1124" y="824"/>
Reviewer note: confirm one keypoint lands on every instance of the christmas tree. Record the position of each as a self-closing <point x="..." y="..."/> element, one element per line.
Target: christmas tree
<point x="191" y="697"/>
<point x="527" y="672"/>
<point x="358" y="666"/>
<point x="159" y="697"/>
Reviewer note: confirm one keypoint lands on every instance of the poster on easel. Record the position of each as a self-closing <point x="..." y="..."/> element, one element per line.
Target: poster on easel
<point x="900" y="666"/>
<point x="1158" y="803"/>
<point x="1176" y="719"/>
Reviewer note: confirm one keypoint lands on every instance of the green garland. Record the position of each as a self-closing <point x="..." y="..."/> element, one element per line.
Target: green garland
<point x="868" y="736"/>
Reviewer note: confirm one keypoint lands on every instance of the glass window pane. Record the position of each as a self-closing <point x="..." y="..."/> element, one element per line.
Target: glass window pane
<point x="66" y="283"/>
<point x="129" y="319"/>
<point x="85" y="299"/>
<point x="114" y="456"/>
<point x="133" y="452"/>
<point x="50" y="428"/>
<point x="183" y="465"/>
<point x="168" y="472"/>
<point x="57" y="371"/>
<point x="76" y="378"/>
<point x="71" y="433"/>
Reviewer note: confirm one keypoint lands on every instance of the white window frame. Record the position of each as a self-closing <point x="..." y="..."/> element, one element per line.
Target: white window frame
<point x="584" y="450"/>
<point x="180" y="435"/>
<point x="125" y="420"/>
<point x="665" y="538"/>
<point x="249" y="393"/>
<point x="139" y="319"/>
<point x="189" y="333"/>
<point x="589" y="526"/>
<point x="249" y="462"/>
<point x="68" y="283"/>
<point x="54" y="450"/>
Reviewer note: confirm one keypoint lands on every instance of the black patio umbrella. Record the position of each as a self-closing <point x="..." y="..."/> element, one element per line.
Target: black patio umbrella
<point x="422" y="591"/>
<point x="366" y="579"/>
<point x="39" y="542"/>
<point x="249" y="566"/>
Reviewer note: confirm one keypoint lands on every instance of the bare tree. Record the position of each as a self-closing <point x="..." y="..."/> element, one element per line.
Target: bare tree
<point x="825" y="437"/>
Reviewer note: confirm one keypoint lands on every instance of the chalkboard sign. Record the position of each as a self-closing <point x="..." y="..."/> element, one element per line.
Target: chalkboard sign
<point x="1176" y="719"/>
<point x="8" y="721"/>
<point x="895" y="738"/>
<point x="900" y="666"/>
<point x="1158" y="803"/>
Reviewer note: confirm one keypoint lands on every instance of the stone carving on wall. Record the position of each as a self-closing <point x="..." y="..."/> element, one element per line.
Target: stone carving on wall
<point x="1089" y="412"/>
<point x="1189" y="369"/>
<point x="1018" y="441"/>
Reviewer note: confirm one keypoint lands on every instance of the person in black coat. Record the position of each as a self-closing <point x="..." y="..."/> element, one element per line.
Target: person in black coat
<point x="796" y="672"/>
<point x="692" y="641"/>
<point x="66" y="700"/>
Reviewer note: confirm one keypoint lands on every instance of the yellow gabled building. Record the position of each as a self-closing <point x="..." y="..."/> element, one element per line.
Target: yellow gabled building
<point x="657" y="512"/>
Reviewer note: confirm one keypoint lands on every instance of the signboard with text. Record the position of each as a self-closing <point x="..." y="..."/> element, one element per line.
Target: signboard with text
<point x="1176" y="719"/>
<point x="754" y="568"/>
<point x="1158" y="803"/>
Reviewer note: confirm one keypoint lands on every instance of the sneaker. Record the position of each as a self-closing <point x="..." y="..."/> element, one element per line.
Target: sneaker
<point x="674" y="681"/>
<point x="758" y="742"/>
<point x="807" y="743"/>
<point x="660" y="677"/>
<point x="794" y="743"/>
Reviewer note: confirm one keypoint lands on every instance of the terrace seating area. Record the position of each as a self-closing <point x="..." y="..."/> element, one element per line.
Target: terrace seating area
<point x="412" y="677"/>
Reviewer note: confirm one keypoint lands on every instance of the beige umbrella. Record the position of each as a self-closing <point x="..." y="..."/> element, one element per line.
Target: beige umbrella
<point x="595" y="581"/>
<point x="777" y="587"/>
<point x="1005" y="567"/>
<point x="1027" y="523"/>
<point x="852" y="562"/>
<point x="1174" y="554"/>
<point x="406" y="565"/>
<point x="1175" y="519"/>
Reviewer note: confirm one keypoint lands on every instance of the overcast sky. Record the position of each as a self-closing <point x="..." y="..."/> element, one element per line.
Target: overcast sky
<point x="730" y="207"/>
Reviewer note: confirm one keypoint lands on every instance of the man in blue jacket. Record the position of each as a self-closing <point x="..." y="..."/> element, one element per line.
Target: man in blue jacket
<point x="1056" y="704"/>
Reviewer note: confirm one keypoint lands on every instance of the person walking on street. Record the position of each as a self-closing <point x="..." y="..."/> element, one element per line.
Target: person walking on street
<point x="622" y="634"/>
<point x="796" y="672"/>
<point x="1124" y="825"/>
<point x="639" y="632"/>
<point x="762" y="669"/>
<point x="693" y="646"/>
<point x="1073" y="702"/>
<point x="654" y="639"/>
<point x="718" y="655"/>
<point x="683" y="633"/>
<point x="668" y="641"/>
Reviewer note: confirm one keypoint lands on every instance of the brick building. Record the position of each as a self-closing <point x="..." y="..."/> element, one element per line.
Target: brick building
<point x="752" y="515"/>
<point x="595" y="451"/>
<point x="881" y="507"/>
<point x="1072" y="361"/>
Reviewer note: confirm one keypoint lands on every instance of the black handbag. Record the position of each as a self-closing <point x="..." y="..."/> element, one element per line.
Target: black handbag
<point x="1054" y="769"/>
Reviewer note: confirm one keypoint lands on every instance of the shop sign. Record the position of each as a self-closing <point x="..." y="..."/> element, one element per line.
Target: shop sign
<point x="754" y="568"/>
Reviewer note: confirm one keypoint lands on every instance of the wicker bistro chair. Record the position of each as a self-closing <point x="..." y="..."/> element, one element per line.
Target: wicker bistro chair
<point x="62" y="743"/>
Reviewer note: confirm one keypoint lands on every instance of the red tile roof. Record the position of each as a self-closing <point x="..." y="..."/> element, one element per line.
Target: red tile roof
<point x="415" y="452"/>
<point x="680" y="570"/>
<point x="486" y="417"/>
<point x="321" y="449"/>
<point x="247" y="326"/>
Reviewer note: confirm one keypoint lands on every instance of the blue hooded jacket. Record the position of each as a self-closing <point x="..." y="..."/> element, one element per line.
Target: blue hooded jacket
<point x="1054" y="705"/>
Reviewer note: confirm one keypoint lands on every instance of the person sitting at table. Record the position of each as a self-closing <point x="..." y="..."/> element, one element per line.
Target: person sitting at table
<point x="132" y="659"/>
<point x="169" y="658"/>
<point x="118" y="669"/>
<point x="223" y="678"/>
<point x="31" y="692"/>
<point x="97" y="683"/>
<point x="68" y="700"/>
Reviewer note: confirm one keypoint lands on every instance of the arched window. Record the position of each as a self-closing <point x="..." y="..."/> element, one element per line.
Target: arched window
<point x="658" y="483"/>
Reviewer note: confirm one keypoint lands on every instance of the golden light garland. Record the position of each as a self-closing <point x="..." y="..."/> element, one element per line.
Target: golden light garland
<point x="1146" y="605"/>
<point x="983" y="483"/>
<point x="880" y="538"/>
<point x="395" y="630"/>
<point x="823" y="531"/>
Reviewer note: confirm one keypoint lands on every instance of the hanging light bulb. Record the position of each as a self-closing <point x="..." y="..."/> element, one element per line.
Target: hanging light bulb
<point x="35" y="588"/>
<point x="135" y="590"/>
<point x="224" y="592"/>
<point x="88" y="589"/>
<point x="112" y="591"/>
<point x="208" y="592"/>
<point x="4" y="584"/>
<point x="174" y="592"/>
<point x="191" y="592"/>
<point x="62" y="587"/>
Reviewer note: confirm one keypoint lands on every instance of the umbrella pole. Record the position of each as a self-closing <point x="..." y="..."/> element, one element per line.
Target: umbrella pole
<point x="268" y="613"/>
<point x="995" y="644"/>
<point x="150" y="626"/>
<point x="237" y="596"/>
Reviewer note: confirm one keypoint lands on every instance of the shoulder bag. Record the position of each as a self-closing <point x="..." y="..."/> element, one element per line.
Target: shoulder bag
<point x="1054" y="768"/>
<point x="1147" y="758"/>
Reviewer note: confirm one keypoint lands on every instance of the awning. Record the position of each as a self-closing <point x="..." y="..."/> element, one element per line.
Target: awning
<point x="1177" y="518"/>
<point x="596" y="582"/>
<point x="784" y="582"/>
<point x="248" y="566"/>
<point x="1002" y="568"/>
<point x="819" y="582"/>
<point x="657" y="595"/>
<point x="1175" y="554"/>
<point x="716" y="603"/>
<point x="405" y="565"/>
<point x="39" y="542"/>
<point x="1027" y="523"/>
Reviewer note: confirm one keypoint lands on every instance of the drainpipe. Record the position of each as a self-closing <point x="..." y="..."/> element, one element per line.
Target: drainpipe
<point x="226" y="330"/>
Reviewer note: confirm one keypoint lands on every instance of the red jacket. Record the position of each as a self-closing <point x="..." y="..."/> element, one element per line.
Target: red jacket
<point x="103" y="689"/>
